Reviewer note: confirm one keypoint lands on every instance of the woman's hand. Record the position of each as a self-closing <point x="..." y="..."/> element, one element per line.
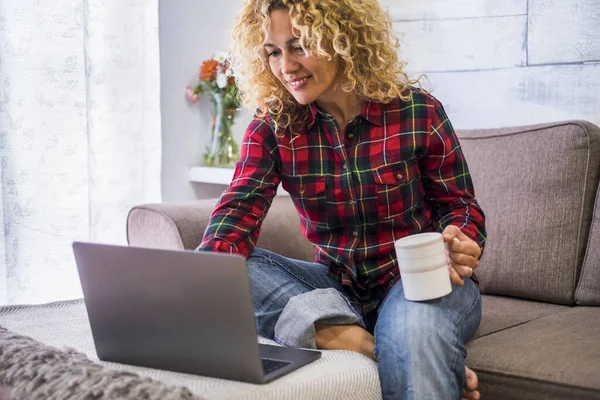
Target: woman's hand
<point x="463" y="254"/>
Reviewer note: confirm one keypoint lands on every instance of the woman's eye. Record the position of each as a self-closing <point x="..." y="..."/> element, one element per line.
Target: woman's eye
<point x="273" y="53"/>
<point x="299" y="49"/>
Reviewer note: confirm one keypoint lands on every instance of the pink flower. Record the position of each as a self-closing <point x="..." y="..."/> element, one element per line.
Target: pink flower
<point x="190" y="95"/>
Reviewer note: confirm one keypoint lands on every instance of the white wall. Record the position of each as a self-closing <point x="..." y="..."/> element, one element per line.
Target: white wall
<point x="501" y="63"/>
<point x="492" y="63"/>
<point x="190" y="31"/>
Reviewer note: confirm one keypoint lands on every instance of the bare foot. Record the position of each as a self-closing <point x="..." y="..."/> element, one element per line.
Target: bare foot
<point x="470" y="392"/>
<point x="345" y="337"/>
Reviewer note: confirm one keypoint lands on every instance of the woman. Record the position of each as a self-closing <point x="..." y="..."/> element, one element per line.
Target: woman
<point x="367" y="160"/>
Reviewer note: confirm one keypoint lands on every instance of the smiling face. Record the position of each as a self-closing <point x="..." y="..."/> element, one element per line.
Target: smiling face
<point x="307" y="77"/>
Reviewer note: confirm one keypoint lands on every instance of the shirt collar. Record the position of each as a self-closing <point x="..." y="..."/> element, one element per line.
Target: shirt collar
<point x="313" y="111"/>
<point x="371" y="111"/>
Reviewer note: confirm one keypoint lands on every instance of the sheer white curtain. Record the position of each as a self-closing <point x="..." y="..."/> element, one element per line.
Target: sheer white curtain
<point x="79" y="134"/>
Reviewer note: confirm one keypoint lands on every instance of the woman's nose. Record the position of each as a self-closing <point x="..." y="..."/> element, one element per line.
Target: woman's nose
<point x="288" y="64"/>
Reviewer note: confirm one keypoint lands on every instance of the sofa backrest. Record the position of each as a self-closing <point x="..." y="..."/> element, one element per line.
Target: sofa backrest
<point x="588" y="288"/>
<point x="536" y="185"/>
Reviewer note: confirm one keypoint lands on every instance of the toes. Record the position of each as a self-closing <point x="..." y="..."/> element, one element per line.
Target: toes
<point x="474" y="395"/>
<point x="471" y="379"/>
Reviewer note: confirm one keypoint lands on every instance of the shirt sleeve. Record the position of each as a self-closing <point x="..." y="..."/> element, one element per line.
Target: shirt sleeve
<point x="235" y="223"/>
<point x="446" y="179"/>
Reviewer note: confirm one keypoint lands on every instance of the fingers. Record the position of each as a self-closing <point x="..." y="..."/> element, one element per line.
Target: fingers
<point x="463" y="254"/>
<point x="467" y="246"/>
<point x="463" y="271"/>
<point x="463" y="265"/>
<point x="459" y="273"/>
<point x="455" y="278"/>
<point x="458" y="242"/>
<point x="452" y="232"/>
<point x="463" y="259"/>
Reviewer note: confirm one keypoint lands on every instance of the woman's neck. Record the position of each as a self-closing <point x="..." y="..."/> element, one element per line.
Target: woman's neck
<point x="342" y="106"/>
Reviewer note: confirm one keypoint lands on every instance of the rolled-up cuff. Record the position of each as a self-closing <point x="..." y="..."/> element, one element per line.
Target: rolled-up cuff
<point x="296" y="324"/>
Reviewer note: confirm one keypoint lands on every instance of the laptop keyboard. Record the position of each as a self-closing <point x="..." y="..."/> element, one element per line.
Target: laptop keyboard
<point x="272" y="365"/>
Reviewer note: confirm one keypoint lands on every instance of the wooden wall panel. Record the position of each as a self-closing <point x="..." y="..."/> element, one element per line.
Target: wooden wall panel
<point x="463" y="44"/>
<point x="447" y="9"/>
<point x="564" y="31"/>
<point x="519" y="96"/>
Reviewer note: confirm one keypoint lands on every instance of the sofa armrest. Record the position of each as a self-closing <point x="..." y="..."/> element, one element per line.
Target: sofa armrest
<point x="180" y="226"/>
<point x="175" y="226"/>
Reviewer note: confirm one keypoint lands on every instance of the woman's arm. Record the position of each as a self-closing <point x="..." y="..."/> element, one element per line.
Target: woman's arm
<point x="447" y="181"/>
<point x="235" y="222"/>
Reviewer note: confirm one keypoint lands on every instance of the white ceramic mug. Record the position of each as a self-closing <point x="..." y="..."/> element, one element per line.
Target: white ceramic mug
<point x="423" y="266"/>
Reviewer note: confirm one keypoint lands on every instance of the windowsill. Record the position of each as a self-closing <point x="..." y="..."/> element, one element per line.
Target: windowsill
<point x="216" y="175"/>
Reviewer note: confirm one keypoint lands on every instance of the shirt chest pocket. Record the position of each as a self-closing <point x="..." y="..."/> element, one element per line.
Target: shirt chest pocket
<point x="309" y="196"/>
<point x="397" y="188"/>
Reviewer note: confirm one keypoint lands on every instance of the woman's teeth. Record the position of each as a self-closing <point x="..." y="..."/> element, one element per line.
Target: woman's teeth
<point x="298" y="82"/>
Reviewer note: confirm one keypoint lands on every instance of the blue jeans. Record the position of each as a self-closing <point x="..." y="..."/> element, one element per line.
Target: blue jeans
<point x="420" y="346"/>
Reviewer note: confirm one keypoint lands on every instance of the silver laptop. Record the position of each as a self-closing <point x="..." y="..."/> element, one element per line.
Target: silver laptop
<point x="181" y="311"/>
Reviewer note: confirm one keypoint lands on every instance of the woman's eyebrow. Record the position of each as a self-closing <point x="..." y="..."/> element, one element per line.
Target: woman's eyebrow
<point x="287" y="42"/>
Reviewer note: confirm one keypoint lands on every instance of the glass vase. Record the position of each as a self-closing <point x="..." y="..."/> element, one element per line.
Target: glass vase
<point x="222" y="151"/>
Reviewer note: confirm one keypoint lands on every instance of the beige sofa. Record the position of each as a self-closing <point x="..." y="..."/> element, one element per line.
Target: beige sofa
<point x="540" y="275"/>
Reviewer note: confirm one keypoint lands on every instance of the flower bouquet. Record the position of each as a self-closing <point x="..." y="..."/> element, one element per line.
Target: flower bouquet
<point x="216" y="79"/>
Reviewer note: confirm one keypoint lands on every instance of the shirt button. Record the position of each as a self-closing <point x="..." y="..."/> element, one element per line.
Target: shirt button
<point x="345" y="165"/>
<point x="355" y="233"/>
<point x="399" y="176"/>
<point x="350" y="136"/>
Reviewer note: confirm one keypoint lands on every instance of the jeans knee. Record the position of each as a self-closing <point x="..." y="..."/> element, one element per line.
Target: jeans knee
<point x="415" y="337"/>
<point x="257" y="257"/>
<point x="260" y="266"/>
<point x="416" y="331"/>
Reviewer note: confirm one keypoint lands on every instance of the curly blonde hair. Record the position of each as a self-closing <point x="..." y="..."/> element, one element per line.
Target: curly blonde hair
<point x="357" y="31"/>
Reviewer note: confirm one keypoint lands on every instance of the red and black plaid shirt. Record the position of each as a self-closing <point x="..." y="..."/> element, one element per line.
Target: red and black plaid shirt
<point x="397" y="170"/>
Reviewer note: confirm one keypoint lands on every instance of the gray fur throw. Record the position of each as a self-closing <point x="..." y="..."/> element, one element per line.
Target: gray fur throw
<point x="39" y="372"/>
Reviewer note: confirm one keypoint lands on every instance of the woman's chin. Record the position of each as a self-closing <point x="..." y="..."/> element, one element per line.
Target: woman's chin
<point x="302" y="97"/>
<point x="304" y="100"/>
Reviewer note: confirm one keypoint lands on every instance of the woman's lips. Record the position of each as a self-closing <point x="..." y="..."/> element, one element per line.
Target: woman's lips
<point x="296" y="84"/>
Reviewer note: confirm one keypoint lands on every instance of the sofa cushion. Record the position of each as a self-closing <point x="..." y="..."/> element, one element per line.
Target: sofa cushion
<point x="500" y="313"/>
<point x="588" y="289"/>
<point x="536" y="185"/>
<point x="348" y="375"/>
<point x="554" y="357"/>
<point x="337" y="374"/>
